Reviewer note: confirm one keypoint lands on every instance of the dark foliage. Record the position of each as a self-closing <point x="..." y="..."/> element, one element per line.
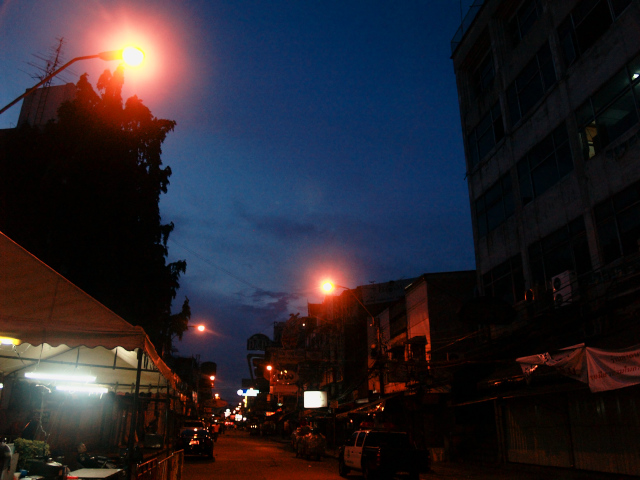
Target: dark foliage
<point x="82" y="194"/>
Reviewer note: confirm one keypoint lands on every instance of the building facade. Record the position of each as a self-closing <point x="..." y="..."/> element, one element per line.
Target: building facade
<point x="549" y="97"/>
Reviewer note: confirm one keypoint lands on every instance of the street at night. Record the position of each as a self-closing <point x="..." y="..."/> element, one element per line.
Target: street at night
<point x="241" y="456"/>
<point x="318" y="240"/>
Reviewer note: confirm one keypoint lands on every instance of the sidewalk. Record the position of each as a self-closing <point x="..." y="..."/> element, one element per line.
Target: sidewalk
<point x="512" y="471"/>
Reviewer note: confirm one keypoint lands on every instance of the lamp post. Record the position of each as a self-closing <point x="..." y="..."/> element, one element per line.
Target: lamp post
<point x="132" y="56"/>
<point x="329" y="287"/>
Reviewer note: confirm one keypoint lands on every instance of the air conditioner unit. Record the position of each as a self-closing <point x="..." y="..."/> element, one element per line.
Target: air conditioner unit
<point x="565" y="288"/>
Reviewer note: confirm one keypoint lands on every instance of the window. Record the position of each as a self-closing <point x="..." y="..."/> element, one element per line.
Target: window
<point x="523" y="20"/>
<point x="484" y="76"/>
<point x="495" y="206"/>
<point x="585" y="25"/>
<point x="506" y="281"/>
<point x="531" y="84"/>
<point x="611" y="111"/>
<point x="545" y="165"/>
<point x="618" y="223"/>
<point x="564" y="249"/>
<point x="485" y="136"/>
<point x="352" y="440"/>
<point x="360" y="439"/>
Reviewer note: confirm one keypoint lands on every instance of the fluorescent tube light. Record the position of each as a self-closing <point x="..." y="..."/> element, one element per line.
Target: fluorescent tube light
<point x="60" y="376"/>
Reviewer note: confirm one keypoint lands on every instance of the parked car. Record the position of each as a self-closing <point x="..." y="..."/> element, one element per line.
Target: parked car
<point x="313" y="444"/>
<point x="297" y="434"/>
<point x="382" y="454"/>
<point x="196" y="441"/>
<point x="193" y="424"/>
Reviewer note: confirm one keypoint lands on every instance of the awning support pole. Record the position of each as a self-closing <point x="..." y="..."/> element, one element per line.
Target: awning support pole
<point x="134" y="417"/>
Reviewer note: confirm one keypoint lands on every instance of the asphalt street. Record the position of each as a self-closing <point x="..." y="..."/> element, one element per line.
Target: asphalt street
<point x="241" y="456"/>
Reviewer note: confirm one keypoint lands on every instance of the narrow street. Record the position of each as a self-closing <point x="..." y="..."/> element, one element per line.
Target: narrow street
<point x="237" y="455"/>
<point x="241" y="456"/>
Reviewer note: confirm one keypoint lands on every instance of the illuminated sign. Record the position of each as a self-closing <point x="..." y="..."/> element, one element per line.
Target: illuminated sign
<point x="248" y="392"/>
<point x="315" y="399"/>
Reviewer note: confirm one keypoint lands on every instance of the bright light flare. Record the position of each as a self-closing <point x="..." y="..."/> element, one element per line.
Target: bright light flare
<point x="327" y="287"/>
<point x="81" y="389"/>
<point x="132" y="56"/>
<point x="200" y="328"/>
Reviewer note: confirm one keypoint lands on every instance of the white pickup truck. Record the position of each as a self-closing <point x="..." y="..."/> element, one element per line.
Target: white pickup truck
<point x="380" y="454"/>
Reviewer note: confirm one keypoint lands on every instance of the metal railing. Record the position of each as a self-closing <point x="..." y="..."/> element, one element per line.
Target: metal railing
<point x="466" y="23"/>
<point x="167" y="468"/>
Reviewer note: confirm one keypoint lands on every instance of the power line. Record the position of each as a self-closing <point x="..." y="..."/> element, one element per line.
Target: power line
<point x="218" y="267"/>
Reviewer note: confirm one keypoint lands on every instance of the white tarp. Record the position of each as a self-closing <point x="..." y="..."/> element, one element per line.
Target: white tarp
<point x="601" y="369"/>
<point x="62" y="328"/>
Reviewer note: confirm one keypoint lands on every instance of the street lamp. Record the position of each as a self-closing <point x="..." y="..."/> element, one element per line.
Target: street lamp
<point x="328" y="287"/>
<point x="131" y="56"/>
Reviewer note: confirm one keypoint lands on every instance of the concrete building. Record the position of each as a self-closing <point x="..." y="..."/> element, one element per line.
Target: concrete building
<point x="549" y="97"/>
<point x="42" y="105"/>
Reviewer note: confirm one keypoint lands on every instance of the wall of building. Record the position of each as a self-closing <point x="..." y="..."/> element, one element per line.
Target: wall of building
<point x="591" y="181"/>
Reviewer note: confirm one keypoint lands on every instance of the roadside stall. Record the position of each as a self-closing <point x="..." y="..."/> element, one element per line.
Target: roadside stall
<point x="73" y="371"/>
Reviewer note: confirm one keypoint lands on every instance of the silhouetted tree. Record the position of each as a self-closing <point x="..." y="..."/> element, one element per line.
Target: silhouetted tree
<point x="82" y="194"/>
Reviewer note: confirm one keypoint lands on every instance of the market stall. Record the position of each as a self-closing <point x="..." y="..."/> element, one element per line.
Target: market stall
<point x="97" y="367"/>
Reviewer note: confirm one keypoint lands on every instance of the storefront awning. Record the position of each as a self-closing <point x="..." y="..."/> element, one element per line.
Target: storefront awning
<point x="371" y="407"/>
<point x="64" y="330"/>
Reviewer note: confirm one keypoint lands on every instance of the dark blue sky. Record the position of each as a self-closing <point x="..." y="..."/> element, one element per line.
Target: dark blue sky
<point x="314" y="140"/>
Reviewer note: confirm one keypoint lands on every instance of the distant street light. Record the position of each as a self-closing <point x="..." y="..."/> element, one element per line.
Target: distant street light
<point x="131" y="56"/>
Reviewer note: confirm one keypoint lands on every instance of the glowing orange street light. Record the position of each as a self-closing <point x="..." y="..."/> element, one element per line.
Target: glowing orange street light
<point x="212" y="378"/>
<point x="131" y="56"/>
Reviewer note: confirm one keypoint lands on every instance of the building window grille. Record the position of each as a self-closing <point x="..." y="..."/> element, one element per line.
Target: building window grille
<point x="485" y="135"/>
<point x="565" y="249"/>
<point x="495" y="206"/>
<point x="618" y="223"/>
<point x="505" y="281"/>
<point x="611" y="111"/>
<point x="544" y="166"/>
<point x="535" y="79"/>
<point x="586" y="23"/>
<point x="523" y="20"/>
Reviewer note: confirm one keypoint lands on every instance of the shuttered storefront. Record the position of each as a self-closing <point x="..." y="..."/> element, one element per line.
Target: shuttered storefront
<point x="582" y="430"/>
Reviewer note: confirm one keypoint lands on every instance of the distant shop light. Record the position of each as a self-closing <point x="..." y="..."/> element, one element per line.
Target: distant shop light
<point x="248" y="392"/>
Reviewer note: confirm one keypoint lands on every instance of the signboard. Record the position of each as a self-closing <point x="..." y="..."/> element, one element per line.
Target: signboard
<point x="315" y="399"/>
<point x="282" y="356"/>
<point x="248" y="393"/>
<point x="259" y="341"/>
<point x="284" y="389"/>
<point x="285" y="377"/>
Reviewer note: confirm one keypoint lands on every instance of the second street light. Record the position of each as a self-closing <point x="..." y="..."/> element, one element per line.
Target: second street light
<point x="131" y="56"/>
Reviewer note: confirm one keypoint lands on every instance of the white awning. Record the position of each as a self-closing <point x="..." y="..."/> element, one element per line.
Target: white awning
<point x="63" y="330"/>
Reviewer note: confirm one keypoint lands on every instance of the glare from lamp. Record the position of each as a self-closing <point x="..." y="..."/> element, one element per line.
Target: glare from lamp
<point x="81" y="389"/>
<point x="10" y="341"/>
<point x="132" y="56"/>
